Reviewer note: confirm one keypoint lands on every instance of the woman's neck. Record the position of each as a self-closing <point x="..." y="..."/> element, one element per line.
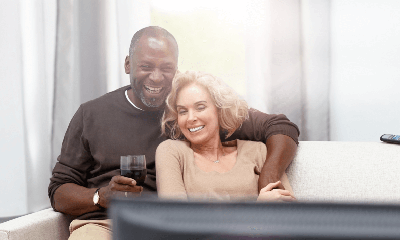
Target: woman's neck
<point x="210" y="150"/>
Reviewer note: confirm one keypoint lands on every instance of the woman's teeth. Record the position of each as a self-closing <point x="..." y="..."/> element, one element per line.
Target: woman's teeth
<point x="196" y="129"/>
<point x="153" y="89"/>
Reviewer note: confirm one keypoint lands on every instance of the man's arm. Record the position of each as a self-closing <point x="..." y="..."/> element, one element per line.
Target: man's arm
<point x="281" y="150"/>
<point x="76" y="200"/>
<point x="280" y="136"/>
<point x="67" y="189"/>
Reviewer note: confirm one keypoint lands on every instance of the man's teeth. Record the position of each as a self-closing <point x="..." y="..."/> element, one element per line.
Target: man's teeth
<point x="153" y="89"/>
<point x="196" y="129"/>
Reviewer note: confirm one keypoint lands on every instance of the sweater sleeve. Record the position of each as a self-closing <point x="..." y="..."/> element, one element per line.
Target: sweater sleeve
<point x="260" y="126"/>
<point x="169" y="171"/>
<point x="75" y="159"/>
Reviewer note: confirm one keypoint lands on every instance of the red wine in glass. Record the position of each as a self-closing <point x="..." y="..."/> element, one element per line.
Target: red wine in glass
<point x="134" y="166"/>
<point x="138" y="174"/>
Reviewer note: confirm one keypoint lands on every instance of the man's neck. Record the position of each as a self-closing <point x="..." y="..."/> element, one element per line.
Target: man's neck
<point x="138" y="103"/>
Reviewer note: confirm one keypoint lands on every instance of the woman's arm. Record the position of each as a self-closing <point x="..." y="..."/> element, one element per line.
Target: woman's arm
<point x="169" y="180"/>
<point x="271" y="193"/>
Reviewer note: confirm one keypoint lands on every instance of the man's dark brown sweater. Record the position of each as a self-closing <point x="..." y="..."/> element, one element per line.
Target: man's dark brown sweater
<point x="104" y="129"/>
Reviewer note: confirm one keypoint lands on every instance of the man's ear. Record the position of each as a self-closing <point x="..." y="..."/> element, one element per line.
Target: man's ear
<point x="127" y="65"/>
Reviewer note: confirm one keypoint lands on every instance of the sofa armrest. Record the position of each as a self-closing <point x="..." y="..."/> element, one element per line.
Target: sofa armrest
<point x="44" y="225"/>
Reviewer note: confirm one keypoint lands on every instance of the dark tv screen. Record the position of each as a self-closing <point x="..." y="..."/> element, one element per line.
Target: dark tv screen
<point x="150" y="218"/>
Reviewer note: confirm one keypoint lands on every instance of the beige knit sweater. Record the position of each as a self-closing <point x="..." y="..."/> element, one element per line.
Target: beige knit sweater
<point x="178" y="176"/>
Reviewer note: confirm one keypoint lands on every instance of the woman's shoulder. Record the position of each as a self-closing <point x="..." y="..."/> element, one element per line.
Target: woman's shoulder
<point x="174" y="144"/>
<point x="252" y="148"/>
<point x="251" y="145"/>
<point x="171" y="151"/>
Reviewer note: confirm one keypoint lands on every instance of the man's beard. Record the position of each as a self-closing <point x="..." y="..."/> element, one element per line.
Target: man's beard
<point x="152" y="102"/>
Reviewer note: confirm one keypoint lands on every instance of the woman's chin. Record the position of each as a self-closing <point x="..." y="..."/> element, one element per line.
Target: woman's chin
<point x="201" y="137"/>
<point x="195" y="140"/>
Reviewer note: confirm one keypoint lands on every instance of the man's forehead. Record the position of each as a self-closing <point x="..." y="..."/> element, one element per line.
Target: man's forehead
<point x="155" y="42"/>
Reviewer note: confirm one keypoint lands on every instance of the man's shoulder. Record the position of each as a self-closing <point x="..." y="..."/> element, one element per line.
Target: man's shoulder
<point x="116" y="94"/>
<point x="110" y="98"/>
<point x="254" y="113"/>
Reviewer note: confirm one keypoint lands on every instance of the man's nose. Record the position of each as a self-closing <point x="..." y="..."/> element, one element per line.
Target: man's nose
<point x="156" y="75"/>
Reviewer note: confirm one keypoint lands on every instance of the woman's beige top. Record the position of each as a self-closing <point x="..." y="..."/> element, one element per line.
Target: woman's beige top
<point x="178" y="176"/>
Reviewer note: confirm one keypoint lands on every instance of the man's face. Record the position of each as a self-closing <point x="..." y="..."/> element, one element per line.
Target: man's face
<point x="152" y="68"/>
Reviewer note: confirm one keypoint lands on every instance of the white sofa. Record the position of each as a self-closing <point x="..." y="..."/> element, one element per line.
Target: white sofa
<point x="321" y="171"/>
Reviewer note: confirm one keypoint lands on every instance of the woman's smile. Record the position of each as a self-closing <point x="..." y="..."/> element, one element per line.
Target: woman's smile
<point x="196" y="129"/>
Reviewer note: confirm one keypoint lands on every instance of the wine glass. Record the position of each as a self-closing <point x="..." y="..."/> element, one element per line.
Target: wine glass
<point x="134" y="166"/>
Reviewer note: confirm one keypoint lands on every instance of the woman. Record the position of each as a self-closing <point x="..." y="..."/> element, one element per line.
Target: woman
<point x="200" y="166"/>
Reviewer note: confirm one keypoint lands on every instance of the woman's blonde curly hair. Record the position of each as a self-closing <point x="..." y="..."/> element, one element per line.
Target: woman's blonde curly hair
<point x="232" y="110"/>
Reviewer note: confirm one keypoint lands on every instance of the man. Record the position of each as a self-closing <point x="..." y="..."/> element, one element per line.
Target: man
<point x="127" y="122"/>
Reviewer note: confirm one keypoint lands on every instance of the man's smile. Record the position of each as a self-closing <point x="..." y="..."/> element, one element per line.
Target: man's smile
<point x="153" y="90"/>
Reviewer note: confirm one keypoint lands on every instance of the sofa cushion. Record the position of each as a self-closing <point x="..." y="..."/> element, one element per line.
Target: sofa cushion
<point x="346" y="171"/>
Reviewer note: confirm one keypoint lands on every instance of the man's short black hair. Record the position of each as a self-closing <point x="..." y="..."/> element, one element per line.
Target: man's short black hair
<point x="152" y="31"/>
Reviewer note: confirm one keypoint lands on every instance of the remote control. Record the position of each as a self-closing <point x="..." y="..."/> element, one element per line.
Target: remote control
<point x="390" y="138"/>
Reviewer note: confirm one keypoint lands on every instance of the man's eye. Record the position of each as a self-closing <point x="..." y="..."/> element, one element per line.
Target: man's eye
<point x="145" y="66"/>
<point x="168" y="69"/>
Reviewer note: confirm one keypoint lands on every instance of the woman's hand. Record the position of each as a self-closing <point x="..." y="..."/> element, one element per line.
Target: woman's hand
<point x="269" y="194"/>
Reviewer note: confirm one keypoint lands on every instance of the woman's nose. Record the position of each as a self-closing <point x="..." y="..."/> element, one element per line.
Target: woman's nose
<point x="192" y="116"/>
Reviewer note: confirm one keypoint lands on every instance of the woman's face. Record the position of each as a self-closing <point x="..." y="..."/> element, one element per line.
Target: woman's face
<point x="197" y="115"/>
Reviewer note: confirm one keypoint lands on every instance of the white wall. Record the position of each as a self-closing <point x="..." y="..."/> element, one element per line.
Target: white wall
<point x="365" y="81"/>
<point x="27" y="59"/>
<point x="365" y="70"/>
<point x="38" y="21"/>
<point x="12" y="162"/>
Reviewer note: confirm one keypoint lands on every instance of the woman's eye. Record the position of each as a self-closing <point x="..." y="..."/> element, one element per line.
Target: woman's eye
<point x="201" y="107"/>
<point x="182" y="112"/>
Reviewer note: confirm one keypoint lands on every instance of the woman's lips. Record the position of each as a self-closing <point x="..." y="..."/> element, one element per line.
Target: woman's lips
<point x="196" y="129"/>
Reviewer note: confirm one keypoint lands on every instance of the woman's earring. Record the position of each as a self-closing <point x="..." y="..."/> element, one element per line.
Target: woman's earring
<point x="173" y="133"/>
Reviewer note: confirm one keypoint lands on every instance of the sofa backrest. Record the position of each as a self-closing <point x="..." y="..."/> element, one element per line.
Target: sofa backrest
<point x="346" y="171"/>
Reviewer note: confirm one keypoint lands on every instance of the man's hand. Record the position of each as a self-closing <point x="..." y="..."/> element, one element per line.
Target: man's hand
<point x="76" y="200"/>
<point x="118" y="186"/>
<point x="271" y="193"/>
